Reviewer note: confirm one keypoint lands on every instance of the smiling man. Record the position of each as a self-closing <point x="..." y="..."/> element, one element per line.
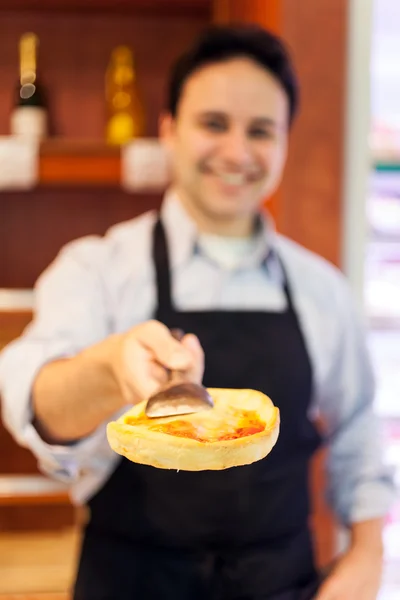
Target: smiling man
<point x="261" y="312"/>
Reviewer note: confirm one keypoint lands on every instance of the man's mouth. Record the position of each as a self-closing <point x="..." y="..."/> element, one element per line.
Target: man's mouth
<point x="233" y="179"/>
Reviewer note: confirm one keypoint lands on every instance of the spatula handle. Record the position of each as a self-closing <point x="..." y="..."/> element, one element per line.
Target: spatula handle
<point x="178" y="334"/>
<point x="173" y="374"/>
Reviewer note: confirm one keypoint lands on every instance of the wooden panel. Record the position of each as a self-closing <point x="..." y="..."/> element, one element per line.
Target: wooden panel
<point x="38" y="563"/>
<point x="253" y="11"/>
<point x="153" y="7"/>
<point x="12" y="323"/>
<point x="37" y="517"/>
<point x="311" y="195"/>
<point x="14" y="458"/>
<point x="34" y="226"/>
<point x="74" y="52"/>
<point x="322" y="522"/>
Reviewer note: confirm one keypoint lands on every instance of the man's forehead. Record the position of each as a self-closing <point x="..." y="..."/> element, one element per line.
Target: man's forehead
<point x="239" y="84"/>
<point x="233" y="71"/>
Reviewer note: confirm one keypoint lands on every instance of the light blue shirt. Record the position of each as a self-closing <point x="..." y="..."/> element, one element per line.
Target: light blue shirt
<point x="102" y="285"/>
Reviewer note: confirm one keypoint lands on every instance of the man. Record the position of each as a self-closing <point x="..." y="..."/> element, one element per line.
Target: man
<point x="260" y="312"/>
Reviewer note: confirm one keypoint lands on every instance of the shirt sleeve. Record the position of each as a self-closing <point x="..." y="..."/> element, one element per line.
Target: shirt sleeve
<point x="360" y="484"/>
<point x="70" y="314"/>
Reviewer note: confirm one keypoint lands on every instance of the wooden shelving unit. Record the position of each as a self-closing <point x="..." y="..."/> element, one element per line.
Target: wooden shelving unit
<point x="79" y="191"/>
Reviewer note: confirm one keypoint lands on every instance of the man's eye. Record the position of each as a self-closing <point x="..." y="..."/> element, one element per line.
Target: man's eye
<point x="260" y="133"/>
<point x="215" y="125"/>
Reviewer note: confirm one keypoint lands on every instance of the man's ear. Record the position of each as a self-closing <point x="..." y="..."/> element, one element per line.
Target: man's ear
<point x="166" y="128"/>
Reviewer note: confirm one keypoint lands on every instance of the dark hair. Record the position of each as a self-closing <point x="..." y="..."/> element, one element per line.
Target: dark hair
<point x="219" y="43"/>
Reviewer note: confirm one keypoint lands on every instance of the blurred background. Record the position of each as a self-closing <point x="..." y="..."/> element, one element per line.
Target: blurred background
<point x="82" y="86"/>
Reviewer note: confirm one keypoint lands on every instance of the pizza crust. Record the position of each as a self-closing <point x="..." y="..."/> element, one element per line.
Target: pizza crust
<point x="140" y="440"/>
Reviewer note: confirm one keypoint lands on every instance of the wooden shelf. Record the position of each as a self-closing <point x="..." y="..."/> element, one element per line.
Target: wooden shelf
<point x="31" y="489"/>
<point x="165" y="7"/>
<point x="69" y="163"/>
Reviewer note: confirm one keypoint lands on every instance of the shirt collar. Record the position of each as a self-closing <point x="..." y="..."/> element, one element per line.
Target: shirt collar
<point x="182" y="234"/>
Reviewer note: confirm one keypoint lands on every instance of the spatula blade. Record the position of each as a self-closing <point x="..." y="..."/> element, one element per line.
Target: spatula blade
<point x="179" y="399"/>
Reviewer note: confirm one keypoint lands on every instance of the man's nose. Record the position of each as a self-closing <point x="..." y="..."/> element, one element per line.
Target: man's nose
<point x="237" y="149"/>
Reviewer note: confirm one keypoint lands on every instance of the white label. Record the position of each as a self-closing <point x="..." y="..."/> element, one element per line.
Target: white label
<point x="144" y="166"/>
<point x="13" y="299"/>
<point x="29" y="121"/>
<point x="19" y="163"/>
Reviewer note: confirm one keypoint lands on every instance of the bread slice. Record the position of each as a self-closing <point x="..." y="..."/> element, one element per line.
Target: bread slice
<point x="242" y="428"/>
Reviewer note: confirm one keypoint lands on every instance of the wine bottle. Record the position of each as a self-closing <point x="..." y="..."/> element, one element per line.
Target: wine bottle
<point x="125" y="112"/>
<point x="29" y="115"/>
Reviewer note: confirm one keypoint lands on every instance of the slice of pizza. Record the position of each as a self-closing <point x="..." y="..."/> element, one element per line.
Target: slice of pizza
<point x="242" y="428"/>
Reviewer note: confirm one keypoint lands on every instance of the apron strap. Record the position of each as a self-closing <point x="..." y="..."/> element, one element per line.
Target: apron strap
<point x="162" y="266"/>
<point x="285" y="284"/>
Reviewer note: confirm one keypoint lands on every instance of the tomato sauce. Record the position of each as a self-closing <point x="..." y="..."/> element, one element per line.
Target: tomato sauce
<point x="245" y="423"/>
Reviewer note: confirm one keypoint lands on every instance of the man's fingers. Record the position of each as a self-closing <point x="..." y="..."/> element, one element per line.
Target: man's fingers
<point x="335" y="590"/>
<point x="191" y="342"/>
<point x="148" y="352"/>
<point x="157" y="338"/>
<point x="158" y="374"/>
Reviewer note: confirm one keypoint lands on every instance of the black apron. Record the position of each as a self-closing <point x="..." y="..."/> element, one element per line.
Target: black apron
<point x="237" y="534"/>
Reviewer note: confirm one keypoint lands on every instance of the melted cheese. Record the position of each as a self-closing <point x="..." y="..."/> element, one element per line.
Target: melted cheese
<point x="208" y="426"/>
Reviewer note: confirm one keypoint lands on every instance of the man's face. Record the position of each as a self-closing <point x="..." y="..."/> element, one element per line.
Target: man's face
<point x="228" y="141"/>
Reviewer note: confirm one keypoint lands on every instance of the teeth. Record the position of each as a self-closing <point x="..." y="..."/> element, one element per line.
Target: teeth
<point x="233" y="178"/>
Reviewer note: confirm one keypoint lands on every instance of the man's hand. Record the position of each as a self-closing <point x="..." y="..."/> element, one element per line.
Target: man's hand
<point x="73" y="396"/>
<point x="143" y="355"/>
<point x="357" y="576"/>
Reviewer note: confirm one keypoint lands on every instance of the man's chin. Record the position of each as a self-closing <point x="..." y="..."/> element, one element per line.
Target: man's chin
<point x="229" y="208"/>
<point x="220" y="215"/>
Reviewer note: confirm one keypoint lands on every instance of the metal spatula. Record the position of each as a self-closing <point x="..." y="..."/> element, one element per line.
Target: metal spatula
<point x="178" y="396"/>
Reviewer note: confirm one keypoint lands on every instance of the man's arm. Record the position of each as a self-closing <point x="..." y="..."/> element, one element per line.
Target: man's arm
<point x="368" y="535"/>
<point x="56" y="380"/>
<point x="73" y="396"/>
<point x="361" y="487"/>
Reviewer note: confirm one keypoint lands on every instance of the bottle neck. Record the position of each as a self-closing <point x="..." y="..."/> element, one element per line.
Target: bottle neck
<point x="28" y="59"/>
